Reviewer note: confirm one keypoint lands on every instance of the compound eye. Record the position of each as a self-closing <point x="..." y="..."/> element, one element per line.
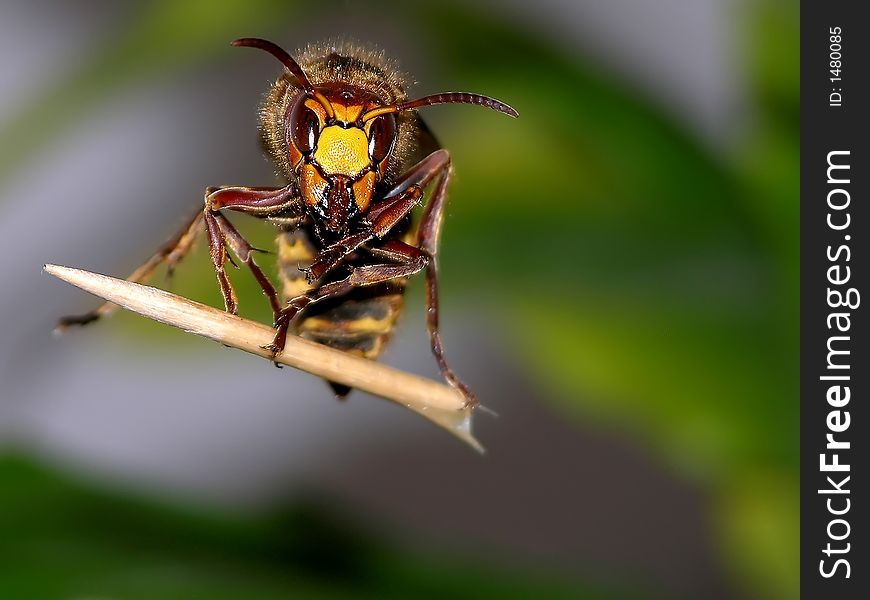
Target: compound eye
<point x="382" y="137"/>
<point x="304" y="126"/>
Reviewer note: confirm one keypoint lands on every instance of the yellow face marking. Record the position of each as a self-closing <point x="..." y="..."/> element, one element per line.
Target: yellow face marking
<point x="348" y="114"/>
<point x="317" y="107"/>
<point x="342" y="151"/>
<point x="363" y="190"/>
<point x="314" y="187"/>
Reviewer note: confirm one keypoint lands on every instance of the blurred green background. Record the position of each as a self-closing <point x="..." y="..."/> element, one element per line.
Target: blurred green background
<point x="629" y="266"/>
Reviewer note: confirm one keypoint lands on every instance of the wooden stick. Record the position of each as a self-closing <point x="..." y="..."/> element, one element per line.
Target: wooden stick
<point x="435" y="401"/>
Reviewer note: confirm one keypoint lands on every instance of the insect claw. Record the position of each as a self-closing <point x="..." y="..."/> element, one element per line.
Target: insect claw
<point x="470" y="404"/>
<point x="471" y="401"/>
<point x="271" y="347"/>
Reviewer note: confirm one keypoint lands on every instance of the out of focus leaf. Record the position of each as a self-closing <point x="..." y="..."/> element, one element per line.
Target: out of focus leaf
<point x="757" y="513"/>
<point x="62" y="541"/>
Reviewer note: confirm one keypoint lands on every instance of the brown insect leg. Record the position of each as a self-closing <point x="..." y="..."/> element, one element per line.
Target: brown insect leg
<point x="171" y="253"/>
<point x="331" y="256"/>
<point x="259" y="202"/>
<point x="241" y="248"/>
<point x="435" y="336"/>
<point x="383" y="216"/>
<point x="428" y="234"/>
<point x="218" y="252"/>
<point x="410" y="261"/>
<point x="421" y="173"/>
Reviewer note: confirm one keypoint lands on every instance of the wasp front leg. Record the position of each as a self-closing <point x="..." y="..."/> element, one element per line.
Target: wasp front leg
<point x="259" y="202"/>
<point x="383" y="215"/>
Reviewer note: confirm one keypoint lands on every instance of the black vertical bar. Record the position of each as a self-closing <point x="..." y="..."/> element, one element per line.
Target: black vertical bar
<point x="833" y="120"/>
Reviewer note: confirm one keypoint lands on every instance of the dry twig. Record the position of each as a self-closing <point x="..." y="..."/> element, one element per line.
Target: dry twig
<point x="435" y="401"/>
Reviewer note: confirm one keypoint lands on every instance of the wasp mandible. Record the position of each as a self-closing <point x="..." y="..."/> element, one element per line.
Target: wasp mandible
<point x="356" y="159"/>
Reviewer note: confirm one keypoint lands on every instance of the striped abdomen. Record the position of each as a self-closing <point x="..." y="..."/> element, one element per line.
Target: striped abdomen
<point x="359" y="323"/>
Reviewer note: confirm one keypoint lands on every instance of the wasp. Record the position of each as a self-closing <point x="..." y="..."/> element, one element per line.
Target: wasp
<point x="356" y="159"/>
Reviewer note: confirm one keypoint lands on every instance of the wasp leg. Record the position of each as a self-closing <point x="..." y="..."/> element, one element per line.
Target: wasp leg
<point x="332" y="256"/>
<point x="171" y="253"/>
<point x="436" y="167"/>
<point x="428" y="234"/>
<point x="218" y="252"/>
<point x="261" y="202"/>
<point x="410" y="260"/>
<point x="385" y="214"/>
<point x="243" y="249"/>
<point x="258" y="202"/>
<point x="382" y="217"/>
